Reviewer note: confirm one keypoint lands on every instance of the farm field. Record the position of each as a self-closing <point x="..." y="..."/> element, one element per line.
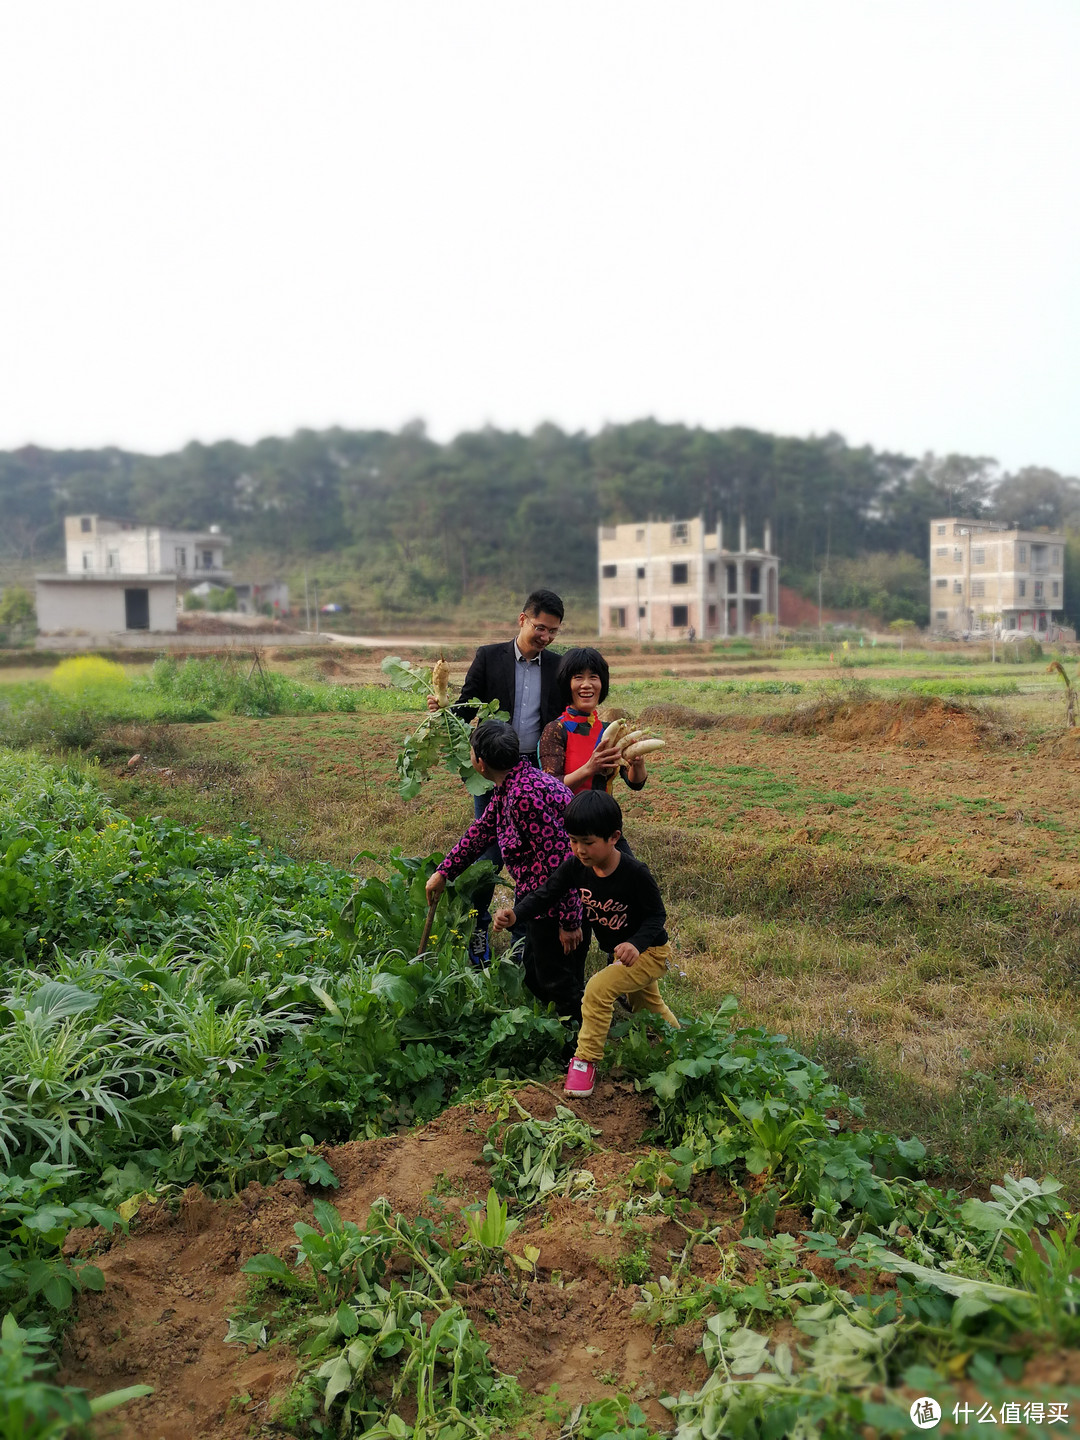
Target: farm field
<point x="886" y="876"/>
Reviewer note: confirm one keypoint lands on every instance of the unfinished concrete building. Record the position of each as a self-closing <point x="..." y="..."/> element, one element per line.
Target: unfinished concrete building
<point x="672" y="580"/>
<point x="987" y="575"/>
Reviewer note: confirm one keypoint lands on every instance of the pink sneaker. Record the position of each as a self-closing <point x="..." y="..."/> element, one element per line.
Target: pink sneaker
<point x="580" y="1078"/>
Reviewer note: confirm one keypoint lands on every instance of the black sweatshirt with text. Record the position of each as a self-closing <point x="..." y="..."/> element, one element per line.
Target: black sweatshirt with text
<point x="624" y="905"/>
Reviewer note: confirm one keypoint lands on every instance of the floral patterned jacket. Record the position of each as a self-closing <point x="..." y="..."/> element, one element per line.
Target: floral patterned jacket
<point x="525" y="819"/>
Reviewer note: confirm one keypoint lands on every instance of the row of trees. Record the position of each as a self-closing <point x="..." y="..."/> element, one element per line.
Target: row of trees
<point x="433" y="521"/>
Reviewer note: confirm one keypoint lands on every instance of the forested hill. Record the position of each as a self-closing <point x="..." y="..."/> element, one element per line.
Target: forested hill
<point x="492" y="505"/>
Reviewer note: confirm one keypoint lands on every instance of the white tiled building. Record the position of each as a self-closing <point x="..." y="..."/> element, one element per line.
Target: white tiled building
<point x="125" y="577"/>
<point x="658" y="580"/>
<point x="986" y="575"/>
<point x="96" y="546"/>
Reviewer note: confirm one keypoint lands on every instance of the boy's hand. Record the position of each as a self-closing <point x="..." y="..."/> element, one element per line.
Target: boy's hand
<point x="626" y="953"/>
<point x="432" y="703"/>
<point x="569" y="939"/>
<point x="503" y="919"/>
<point x="435" y="886"/>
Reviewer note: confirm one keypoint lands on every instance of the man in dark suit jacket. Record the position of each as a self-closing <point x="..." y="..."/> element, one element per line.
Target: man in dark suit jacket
<point x="517" y="674"/>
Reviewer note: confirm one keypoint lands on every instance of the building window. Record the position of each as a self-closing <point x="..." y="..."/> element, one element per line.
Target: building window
<point x="608" y="532"/>
<point x="680" y="575"/>
<point x="680" y="532"/>
<point x="941" y="614"/>
<point x="112" y="560"/>
<point x="208" y="559"/>
<point x="1055" y="589"/>
<point x="978" y="589"/>
<point x="87" y="560"/>
<point x="1055" y="555"/>
<point x="1021" y="554"/>
<point x="181" y="557"/>
<point x="941" y="529"/>
<point x="1021" y="588"/>
<point x="941" y="583"/>
<point x="641" y="612"/>
<point x="639" y="534"/>
<point x="978" y="557"/>
<point x="712" y="614"/>
<point x="641" y="572"/>
<point x="618" y="618"/>
<point x="680" y="616"/>
<point x="86" y="524"/>
<point x="712" y="572"/>
<point x="958" y="555"/>
<point x="958" y="587"/>
<point x="1039" y="590"/>
<point x="609" y="571"/>
<point x="941" y="550"/>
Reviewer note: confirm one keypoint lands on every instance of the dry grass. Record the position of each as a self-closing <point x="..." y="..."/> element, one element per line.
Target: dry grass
<point x="945" y="1000"/>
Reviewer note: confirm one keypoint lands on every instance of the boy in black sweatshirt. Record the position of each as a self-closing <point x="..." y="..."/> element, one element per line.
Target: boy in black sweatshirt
<point x="623" y="908"/>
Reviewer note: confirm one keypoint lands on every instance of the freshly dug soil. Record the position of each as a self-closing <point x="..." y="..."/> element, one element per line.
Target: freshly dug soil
<point x="173" y="1282"/>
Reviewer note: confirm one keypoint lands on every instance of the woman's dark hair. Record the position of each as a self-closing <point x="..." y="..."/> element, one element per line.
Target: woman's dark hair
<point x="593" y="812"/>
<point x="576" y="662"/>
<point x="543" y="602"/>
<point x="496" y="743"/>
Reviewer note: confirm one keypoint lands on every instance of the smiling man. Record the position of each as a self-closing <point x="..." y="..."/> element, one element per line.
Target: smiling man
<point x="521" y="677"/>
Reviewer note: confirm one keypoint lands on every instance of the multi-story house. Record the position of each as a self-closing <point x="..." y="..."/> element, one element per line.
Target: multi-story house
<point x="987" y="575"/>
<point x="96" y="546"/>
<point x="121" y="576"/>
<point x="661" y="580"/>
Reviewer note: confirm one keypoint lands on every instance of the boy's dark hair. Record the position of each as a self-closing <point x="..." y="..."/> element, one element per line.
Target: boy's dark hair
<point x="496" y="743"/>
<point x="593" y="812"/>
<point x="543" y="602"/>
<point x="576" y="662"/>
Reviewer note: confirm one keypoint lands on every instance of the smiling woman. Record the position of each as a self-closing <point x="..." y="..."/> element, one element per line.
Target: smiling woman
<point x="574" y="747"/>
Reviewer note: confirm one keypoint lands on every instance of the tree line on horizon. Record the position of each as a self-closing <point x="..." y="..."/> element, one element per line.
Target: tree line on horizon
<point x="427" y="523"/>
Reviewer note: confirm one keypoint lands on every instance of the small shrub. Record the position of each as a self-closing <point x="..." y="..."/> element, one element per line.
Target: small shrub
<point x="82" y="673"/>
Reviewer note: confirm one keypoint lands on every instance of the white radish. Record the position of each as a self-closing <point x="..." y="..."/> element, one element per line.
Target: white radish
<point x="632" y="738"/>
<point x="642" y="748"/>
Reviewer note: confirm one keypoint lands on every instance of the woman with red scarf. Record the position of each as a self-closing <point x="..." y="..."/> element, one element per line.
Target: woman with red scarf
<point x="573" y="746"/>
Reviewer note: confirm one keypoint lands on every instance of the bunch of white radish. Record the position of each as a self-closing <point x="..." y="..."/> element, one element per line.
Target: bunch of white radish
<point x="633" y="744"/>
<point x="440" y="683"/>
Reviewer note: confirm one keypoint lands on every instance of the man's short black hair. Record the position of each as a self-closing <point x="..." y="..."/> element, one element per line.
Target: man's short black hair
<point x="576" y="662"/>
<point x="593" y="812"/>
<point x="496" y="743"/>
<point x="543" y="602"/>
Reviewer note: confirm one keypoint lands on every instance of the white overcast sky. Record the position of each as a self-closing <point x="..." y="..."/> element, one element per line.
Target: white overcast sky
<point x="230" y="218"/>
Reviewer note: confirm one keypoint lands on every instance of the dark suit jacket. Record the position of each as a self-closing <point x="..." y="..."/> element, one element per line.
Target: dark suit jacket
<point x="491" y="677"/>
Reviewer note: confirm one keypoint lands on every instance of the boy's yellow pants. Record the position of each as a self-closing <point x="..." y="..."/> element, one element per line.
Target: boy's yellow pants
<point x="637" y="982"/>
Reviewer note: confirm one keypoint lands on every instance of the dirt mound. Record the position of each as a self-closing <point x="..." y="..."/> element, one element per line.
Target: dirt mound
<point x="202" y="622"/>
<point x="916" y="722"/>
<point x="680" y="716"/>
<point x="1065" y="746"/>
<point x="173" y="1282"/>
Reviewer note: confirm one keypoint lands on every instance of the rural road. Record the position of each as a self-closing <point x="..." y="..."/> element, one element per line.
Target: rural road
<point x="384" y="642"/>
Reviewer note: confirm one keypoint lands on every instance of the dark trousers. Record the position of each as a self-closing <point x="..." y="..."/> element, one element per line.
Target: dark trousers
<point x="554" y="977"/>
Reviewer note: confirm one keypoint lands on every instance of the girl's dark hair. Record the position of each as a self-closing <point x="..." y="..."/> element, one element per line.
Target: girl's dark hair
<point x="576" y="662"/>
<point x="496" y="743"/>
<point x="593" y="812"/>
<point x="543" y="602"/>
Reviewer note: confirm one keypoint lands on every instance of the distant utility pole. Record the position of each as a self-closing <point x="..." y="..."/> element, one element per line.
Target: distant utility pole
<point x="819" y="605"/>
<point x="307" y="607"/>
<point x="316" y="585"/>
